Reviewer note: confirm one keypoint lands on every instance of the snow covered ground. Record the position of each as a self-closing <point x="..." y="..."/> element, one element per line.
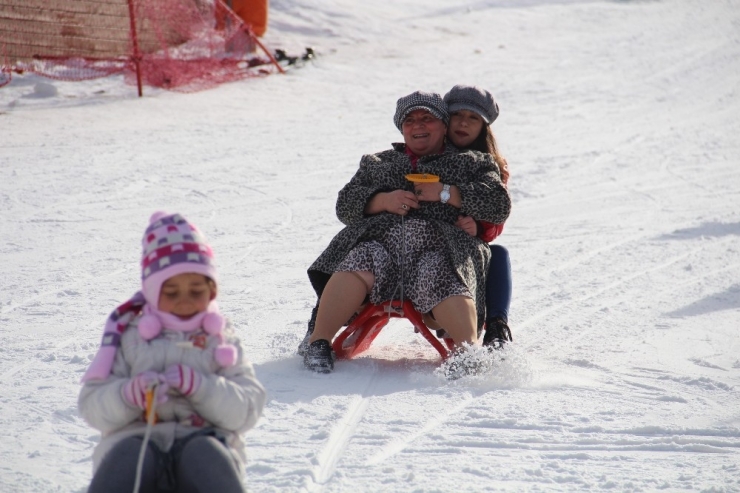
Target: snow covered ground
<point x="621" y="124"/>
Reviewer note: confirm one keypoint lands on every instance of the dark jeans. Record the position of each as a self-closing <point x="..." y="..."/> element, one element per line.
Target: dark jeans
<point x="198" y="463"/>
<point x="498" y="284"/>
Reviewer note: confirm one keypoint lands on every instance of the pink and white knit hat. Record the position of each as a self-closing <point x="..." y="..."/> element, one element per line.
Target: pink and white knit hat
<point x="171" y="246"/>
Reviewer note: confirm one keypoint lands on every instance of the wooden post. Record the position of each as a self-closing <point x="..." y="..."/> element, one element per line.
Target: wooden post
<point x="135" y="41"/>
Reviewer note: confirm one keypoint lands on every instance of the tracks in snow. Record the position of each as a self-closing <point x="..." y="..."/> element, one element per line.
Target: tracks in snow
<point x="341" y="435"/>
<point x="398" y="445"/>
<point x="328" y="458"/>
<point x="622" y="280"/>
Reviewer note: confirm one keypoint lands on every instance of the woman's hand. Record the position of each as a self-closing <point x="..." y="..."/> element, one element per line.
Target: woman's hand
<point x="428" y="192"/>
<point x="467" y="224"/>
<point x="396" y="202"/>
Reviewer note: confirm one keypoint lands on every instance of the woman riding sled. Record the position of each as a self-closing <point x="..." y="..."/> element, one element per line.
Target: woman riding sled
<point x="400" y="237"/>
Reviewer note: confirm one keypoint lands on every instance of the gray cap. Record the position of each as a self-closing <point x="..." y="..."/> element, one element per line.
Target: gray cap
<point x="472" y="98"/>
<point x="419" y="100"/>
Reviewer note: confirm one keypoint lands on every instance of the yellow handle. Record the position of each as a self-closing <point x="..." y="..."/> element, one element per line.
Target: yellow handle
<point x="149" y="402"/>
<point x="422" y="178"/>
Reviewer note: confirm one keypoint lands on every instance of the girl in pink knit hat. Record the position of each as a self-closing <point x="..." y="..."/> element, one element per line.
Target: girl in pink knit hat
<point x="169" y="388"/>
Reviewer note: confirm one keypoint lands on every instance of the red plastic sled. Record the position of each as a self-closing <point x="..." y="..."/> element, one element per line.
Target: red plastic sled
<point x="357" y="337"/>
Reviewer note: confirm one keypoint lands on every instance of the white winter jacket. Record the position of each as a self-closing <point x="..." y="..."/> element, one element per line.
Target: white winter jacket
<point x="229" y="399"/>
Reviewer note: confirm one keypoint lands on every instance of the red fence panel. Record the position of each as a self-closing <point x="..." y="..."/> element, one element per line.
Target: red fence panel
<point x="184" y="45"/>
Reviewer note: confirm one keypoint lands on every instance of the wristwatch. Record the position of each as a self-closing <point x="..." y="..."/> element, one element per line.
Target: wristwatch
<point x="444" y="195"/>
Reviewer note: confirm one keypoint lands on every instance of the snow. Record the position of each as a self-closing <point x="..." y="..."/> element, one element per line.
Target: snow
<point x="620" y="121"/>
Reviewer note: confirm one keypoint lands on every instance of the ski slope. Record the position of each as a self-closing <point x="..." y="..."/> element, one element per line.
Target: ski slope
<point x="621" y="124"/>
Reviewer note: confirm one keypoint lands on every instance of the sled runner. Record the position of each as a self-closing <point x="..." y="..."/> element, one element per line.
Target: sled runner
<point x="357" y="337"/>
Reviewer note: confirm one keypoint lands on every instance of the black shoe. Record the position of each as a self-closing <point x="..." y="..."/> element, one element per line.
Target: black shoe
<point x="319" y="357"/>
<point x="466" y="362"/>
<point x="497" y="333"/>
<point x="303" y="346"/>
<point x="456" y="370"/>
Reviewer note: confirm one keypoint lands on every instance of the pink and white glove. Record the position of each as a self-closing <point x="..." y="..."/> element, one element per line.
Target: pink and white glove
<point x="183" y="378"/>
<point x="134" y="391"/>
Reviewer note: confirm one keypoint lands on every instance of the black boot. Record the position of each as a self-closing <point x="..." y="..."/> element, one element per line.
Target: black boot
<point x="497" y="333"/>
<point x="303" y="346"/>
<point x="319" y="357"/>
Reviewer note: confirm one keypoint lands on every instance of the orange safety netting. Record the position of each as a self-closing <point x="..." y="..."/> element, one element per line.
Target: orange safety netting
<point x="174" y="44"/>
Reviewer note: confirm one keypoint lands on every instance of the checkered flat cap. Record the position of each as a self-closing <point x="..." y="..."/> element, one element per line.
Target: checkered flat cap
<point x="419" y="100"/>
<point x="474" y="99"/>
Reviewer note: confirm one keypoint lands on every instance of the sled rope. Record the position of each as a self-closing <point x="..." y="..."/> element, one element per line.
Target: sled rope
<point x="413" y="178"/>
<point x="151" y="416"/>
<point x="401" y="265"/>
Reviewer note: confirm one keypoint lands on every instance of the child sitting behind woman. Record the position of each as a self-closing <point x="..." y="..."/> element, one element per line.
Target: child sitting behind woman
<point x="169" y="340"/>
<point x="472" y="111"/>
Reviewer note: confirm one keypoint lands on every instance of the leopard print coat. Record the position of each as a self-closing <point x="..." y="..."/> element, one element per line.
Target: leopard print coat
<point x="484" y="197"/>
